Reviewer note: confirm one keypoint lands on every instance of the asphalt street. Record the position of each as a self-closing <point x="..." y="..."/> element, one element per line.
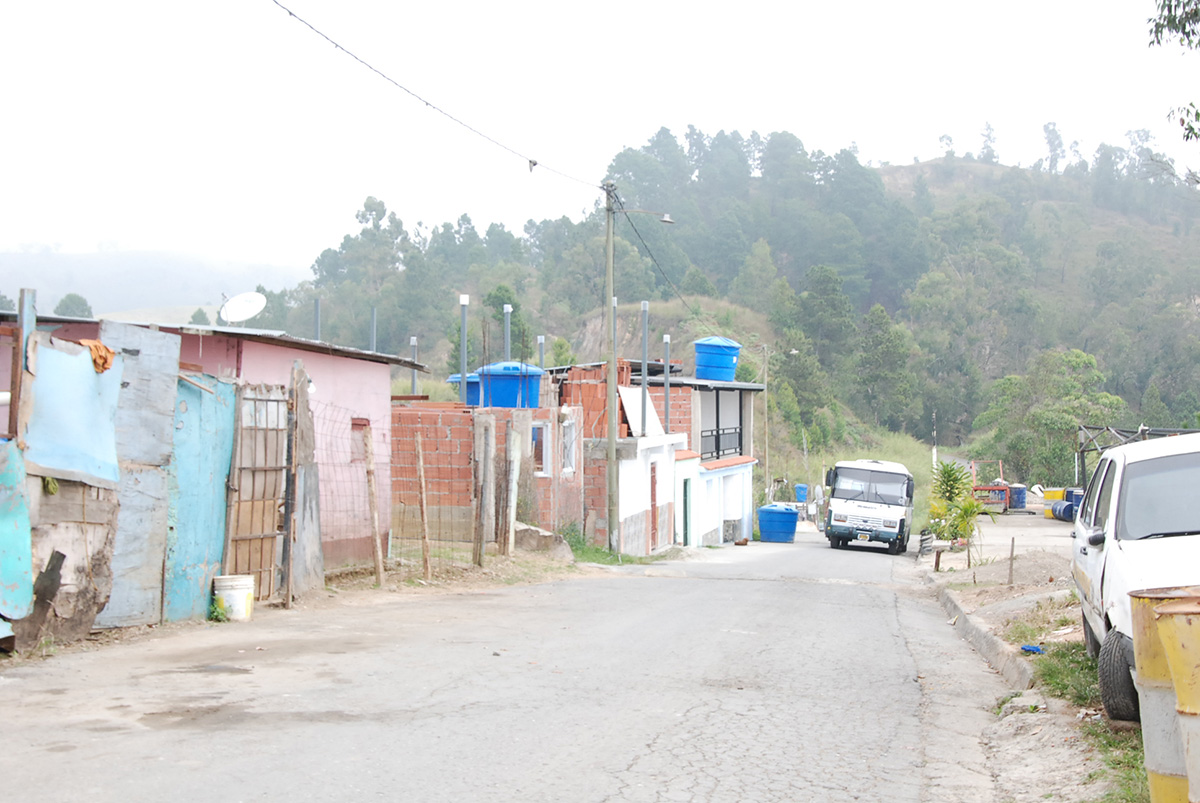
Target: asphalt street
<point x="770" y="672"/>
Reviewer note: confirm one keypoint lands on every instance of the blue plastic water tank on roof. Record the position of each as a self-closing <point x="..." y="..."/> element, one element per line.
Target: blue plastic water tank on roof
<point x="472" y="387"/>
<point x="510" y="384"/>
<point x="716" y="358"/>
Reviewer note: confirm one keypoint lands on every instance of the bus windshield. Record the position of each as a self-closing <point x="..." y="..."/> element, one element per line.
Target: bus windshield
<point x="881" y="487"/>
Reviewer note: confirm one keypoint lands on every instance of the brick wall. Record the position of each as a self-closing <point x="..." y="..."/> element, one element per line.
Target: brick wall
<point x="681" y="409"/>
<point x="550" y="498"/>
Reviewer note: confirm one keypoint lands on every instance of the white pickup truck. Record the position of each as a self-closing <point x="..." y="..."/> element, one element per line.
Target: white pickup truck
<point x="1138" y="528"/>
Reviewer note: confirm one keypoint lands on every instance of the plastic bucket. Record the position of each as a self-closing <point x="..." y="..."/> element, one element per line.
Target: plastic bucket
<point x="234" y="595"/>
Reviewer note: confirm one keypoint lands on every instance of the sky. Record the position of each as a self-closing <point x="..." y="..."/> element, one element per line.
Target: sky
<point x="230" y="131"/>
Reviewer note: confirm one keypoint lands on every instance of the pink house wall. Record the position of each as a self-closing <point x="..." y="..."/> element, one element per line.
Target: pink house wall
<point x="342" y="389"/>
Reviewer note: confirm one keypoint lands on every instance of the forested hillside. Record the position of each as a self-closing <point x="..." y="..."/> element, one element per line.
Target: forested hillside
<point x="1007" y="302"/>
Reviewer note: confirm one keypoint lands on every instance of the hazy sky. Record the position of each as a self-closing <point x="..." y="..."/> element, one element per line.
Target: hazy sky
<point x="229" y="130"/>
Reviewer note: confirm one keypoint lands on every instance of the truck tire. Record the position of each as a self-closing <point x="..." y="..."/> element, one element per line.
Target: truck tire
<point x="894" y="546"/>
<point x="903" y="538"/>
<point x="1090" y="642"/>
<point x="1117" y="692"/>
<point x="834" y="542"/>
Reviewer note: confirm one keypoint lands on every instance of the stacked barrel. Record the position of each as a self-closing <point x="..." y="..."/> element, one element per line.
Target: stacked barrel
<point x="1166" y="647"/>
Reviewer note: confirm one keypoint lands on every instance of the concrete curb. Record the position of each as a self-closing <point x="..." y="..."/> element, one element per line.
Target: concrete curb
<point x="1000" y="655"/>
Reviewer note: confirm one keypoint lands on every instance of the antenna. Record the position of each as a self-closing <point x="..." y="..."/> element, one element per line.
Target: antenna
<point x="242" y="307"/>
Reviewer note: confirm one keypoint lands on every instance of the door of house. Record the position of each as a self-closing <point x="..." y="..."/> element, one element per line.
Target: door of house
<point x="258" y="485"/>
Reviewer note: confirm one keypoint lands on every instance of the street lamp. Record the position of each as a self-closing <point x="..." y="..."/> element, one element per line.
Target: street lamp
<point x="610" y="196"/>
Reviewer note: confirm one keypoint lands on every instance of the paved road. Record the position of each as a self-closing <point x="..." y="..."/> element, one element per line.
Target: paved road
<point x="772" y="672"/>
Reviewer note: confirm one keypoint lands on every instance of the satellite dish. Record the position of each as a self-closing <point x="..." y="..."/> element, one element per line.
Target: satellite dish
<point x="242" y="307"/>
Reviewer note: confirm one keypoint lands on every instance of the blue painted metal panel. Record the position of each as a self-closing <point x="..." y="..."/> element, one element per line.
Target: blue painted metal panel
<point x="204" y="424"/>
<point x="16" y="555"/>
<point x="72" y="432"/>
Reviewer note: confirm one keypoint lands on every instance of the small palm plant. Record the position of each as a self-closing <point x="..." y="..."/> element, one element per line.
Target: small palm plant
<point x="954" y="510"/>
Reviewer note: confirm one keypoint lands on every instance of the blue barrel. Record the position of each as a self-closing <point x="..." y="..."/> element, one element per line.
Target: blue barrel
<point x="801" y="493"/>
<point x="1063" y="510"/>
<point x="1074" y="496"/>
<point x="716" y="358"/>
<point x="777" y="523"/>
<point x="472" y="387"/>
<point x="510" y="384"/>
<point x="1016" y="497"/>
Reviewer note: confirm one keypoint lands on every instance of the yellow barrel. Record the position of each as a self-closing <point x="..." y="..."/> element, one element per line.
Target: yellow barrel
<point x="1166" y="766"/>
<point x="1179" y="630"/>
<point x="1054" y="494"/>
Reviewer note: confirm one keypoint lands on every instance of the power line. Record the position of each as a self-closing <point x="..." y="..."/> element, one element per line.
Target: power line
<point x="528" y="160"/>
<point x="663" y="273"/>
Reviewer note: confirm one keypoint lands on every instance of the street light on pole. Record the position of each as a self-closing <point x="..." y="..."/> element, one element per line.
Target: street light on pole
<point x="610" y="198"/>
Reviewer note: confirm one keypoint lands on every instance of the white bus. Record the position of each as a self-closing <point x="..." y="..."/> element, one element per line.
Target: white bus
<point x="869" y="500"/>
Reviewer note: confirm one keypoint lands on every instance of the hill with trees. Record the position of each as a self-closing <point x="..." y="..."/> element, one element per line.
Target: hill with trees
<point x="1000" y="304"/>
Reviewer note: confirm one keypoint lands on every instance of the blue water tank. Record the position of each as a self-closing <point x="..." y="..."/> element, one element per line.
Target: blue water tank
<point x="1016" y="497"/>
<point x="801" y="493"/>
<point x="777" y="523"/>
<point x="472" y="387"/>
<point x="716" y="358"/>
<point x="510" y="384"/>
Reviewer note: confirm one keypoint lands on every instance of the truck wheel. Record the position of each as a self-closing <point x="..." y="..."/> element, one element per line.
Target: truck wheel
<point x="833" y="542"/>
<point x="1090" y="642"/>
<point x="903" y="538"/>
<point x="1117" y="692"/>
<point x="894" y="546"/>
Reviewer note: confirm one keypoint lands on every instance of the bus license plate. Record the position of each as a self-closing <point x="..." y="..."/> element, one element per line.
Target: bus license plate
<point x="864" y="536"/>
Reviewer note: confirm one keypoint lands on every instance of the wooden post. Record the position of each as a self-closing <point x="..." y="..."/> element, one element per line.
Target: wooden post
<point x="233" y="486"/>
<point x="289" y="500"/>
<point x="427" y="568"/>
<point x="372" y="501"/>
<point x="485" y="479"/>
<point x="937" y="561"/>
<point x="487" y="501"/>
<point x="513" y="446"/>
<point x="1012" y="553"/>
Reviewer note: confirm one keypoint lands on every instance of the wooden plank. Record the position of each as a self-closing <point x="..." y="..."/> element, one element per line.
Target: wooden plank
<point x="372" y="501"/>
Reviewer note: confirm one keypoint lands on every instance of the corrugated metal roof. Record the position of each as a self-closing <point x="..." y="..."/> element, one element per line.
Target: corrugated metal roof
<point x="271" y="336"/>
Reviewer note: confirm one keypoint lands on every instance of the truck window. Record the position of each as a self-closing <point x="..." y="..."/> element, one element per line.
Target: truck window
<point x="1089" y="499"/>
<point x="880" y="487"/>
<point x="1157" y="496"/>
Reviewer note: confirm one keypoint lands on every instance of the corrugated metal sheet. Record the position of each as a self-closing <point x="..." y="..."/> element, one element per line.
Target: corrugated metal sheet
<point x="138" y="547"/>
<point x="204" y="424"/>
<point x="143" y="425"/>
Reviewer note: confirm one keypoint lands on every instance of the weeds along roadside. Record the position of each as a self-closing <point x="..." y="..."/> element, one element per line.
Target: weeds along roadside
<point x="1064" y="670"/>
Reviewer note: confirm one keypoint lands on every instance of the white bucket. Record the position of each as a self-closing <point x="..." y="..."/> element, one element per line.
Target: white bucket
<point x="234" y="594"/>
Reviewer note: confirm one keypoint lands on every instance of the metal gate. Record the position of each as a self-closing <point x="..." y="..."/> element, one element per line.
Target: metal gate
<point x="258" y="486"/>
